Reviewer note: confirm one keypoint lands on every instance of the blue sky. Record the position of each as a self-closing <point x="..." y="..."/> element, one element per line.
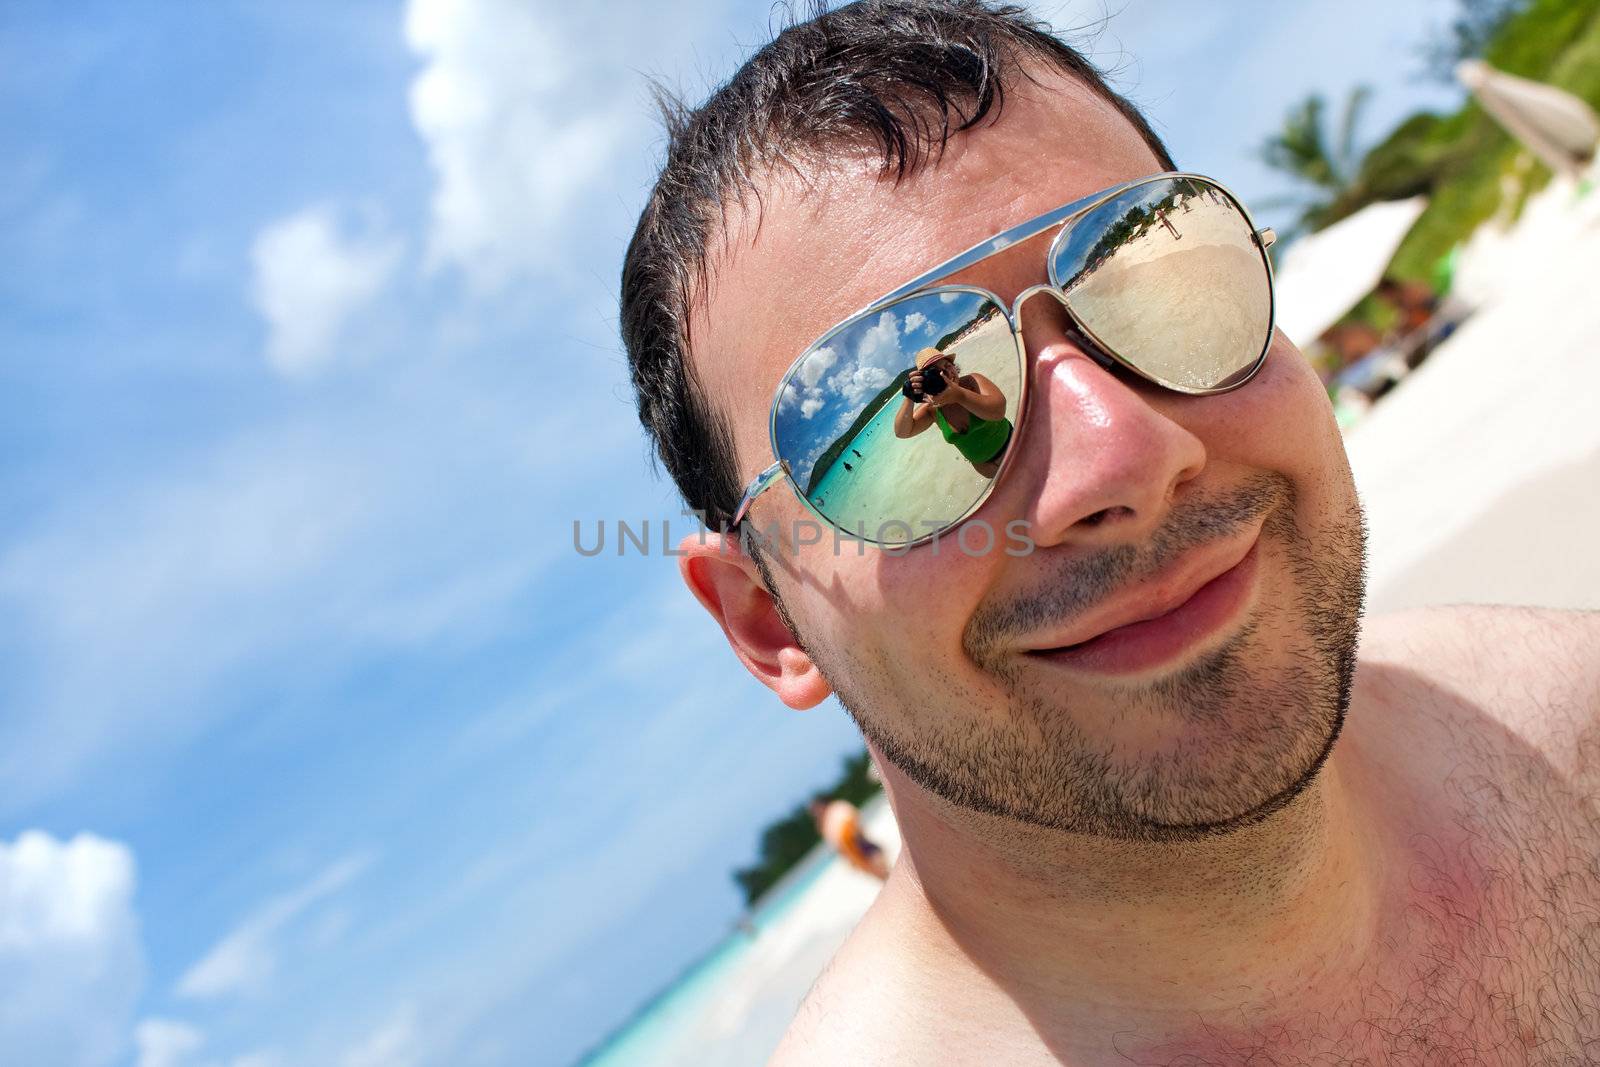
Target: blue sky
<point x="319" y="744"/>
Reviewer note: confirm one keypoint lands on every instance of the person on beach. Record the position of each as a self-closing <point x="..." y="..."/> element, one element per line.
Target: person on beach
<point x="1414" y="302"/>
<point x="1165" y="796"/>
<point x="969" y="410"/>
<point x="839" y="823"/>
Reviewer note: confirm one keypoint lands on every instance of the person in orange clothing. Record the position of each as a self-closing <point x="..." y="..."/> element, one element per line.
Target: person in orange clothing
<point x="839" y="823"/>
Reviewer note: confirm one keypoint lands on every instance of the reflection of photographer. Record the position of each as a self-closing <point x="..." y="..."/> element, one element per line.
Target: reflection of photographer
<point x="969" y="409"/>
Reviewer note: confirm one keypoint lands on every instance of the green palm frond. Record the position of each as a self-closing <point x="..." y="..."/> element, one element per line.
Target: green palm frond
<point x="1305" y="152"/>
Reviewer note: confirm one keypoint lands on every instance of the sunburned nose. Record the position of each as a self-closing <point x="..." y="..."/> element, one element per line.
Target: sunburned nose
<point x="1105" y="455"/>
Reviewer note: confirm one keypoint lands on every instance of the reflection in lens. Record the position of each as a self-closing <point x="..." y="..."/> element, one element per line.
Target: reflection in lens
<point x="1168" y="276"/>
<point x="836" y="420"/>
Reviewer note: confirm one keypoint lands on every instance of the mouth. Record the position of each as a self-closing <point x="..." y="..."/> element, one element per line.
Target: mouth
<point x="1165" y="624"/>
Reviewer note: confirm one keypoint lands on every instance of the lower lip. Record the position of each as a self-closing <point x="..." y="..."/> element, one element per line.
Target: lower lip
<point x="1140" y="646"/>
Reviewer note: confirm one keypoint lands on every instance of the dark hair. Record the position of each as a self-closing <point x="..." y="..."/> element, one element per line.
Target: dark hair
<point x="891" y="78"/>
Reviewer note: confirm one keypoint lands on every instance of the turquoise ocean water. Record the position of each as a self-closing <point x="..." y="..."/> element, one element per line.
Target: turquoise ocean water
<point x="657" y="1030"/>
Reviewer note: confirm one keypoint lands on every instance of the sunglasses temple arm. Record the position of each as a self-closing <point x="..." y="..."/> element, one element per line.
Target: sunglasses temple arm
<point x="760" y="484"/>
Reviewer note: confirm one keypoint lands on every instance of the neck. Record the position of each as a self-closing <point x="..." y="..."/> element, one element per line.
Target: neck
<point x="1095" y="927"/>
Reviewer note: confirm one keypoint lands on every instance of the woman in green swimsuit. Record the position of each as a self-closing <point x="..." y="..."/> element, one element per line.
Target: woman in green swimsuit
<point x="970" y="411"/>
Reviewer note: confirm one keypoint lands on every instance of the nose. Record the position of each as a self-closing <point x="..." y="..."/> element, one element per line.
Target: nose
<point x="1103" y="456"/>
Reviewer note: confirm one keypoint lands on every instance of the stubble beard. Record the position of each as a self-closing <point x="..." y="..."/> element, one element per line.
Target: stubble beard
<point x="1255" y="731"/>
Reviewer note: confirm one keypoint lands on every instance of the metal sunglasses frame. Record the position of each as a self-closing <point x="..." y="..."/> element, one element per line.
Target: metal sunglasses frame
<point x="922" y="285"/>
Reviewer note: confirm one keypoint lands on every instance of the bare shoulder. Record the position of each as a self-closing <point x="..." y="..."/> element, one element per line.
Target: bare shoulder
<point x="839" y="1021"/>
<point x="878" y="1002"/>
<point x="1535" y="670"/>
<point x="1488" y="648"/>
<point x="823" y="1030"/>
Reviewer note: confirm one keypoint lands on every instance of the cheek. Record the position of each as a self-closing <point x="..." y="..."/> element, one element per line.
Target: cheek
<point x="1282" y="421"/>
<point x="1279" y="420"/>
<point x="879" y="621"/>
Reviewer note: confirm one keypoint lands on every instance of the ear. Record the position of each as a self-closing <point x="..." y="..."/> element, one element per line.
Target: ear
<point x="728" y="584"/>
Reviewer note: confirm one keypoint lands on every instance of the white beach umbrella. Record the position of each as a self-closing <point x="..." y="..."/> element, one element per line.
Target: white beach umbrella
<point x="1553" y="124"/>
<point x="1322" y="275"/>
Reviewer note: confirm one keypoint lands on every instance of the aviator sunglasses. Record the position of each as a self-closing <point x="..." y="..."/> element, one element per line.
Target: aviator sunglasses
<point x="897" y="423"/>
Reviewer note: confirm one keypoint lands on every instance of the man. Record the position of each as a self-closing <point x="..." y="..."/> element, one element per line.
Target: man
<point x="1158" y="804"/>
<point x="839" y="823"/>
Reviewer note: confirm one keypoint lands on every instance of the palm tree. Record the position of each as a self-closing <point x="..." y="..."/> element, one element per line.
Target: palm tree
<point x="1302" y="150"/>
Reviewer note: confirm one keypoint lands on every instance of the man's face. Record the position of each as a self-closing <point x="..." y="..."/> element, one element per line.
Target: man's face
<point x="971" y="672"/>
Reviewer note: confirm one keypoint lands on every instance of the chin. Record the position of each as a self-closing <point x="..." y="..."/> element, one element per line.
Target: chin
<point x="1245" y="731"/>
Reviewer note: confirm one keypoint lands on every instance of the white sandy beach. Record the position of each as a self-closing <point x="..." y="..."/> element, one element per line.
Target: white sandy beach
<point x="1480" y="475"/>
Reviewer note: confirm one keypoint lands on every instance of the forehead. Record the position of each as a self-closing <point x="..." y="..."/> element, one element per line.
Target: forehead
<point x="819" y="246"/>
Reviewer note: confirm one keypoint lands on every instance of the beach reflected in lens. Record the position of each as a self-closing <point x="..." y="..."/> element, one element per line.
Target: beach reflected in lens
<point x="1168" y="276"/>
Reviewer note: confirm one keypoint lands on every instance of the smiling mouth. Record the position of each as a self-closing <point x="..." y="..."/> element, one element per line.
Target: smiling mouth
<point x="1168" y="633"/>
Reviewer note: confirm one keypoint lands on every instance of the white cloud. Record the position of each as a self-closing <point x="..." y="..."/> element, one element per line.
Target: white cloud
<point x="70" y="960"/>
<point x="245" y="959"/>
<point x="310" y="279"/>
<point x="802" y="387"/>
<point x="507" y="108"/>
<point x="880" y="355"/>
<point x="816" y="364"/>
<point x="789" y="397"/>
<point x="169" y="1043"/>
<point x="165" y="1043"/>
<point x="395" y="1043"/>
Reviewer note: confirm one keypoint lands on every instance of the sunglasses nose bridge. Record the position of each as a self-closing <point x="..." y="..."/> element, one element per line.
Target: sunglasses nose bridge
<point x="1069" y="322"/>
<point x="1027" y="295"/>
<point x="1069" y="326"/>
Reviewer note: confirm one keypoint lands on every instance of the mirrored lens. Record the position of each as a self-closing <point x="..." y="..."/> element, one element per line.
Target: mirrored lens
<point x="1168" y="277"/>
<point x="895" y="423"/>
